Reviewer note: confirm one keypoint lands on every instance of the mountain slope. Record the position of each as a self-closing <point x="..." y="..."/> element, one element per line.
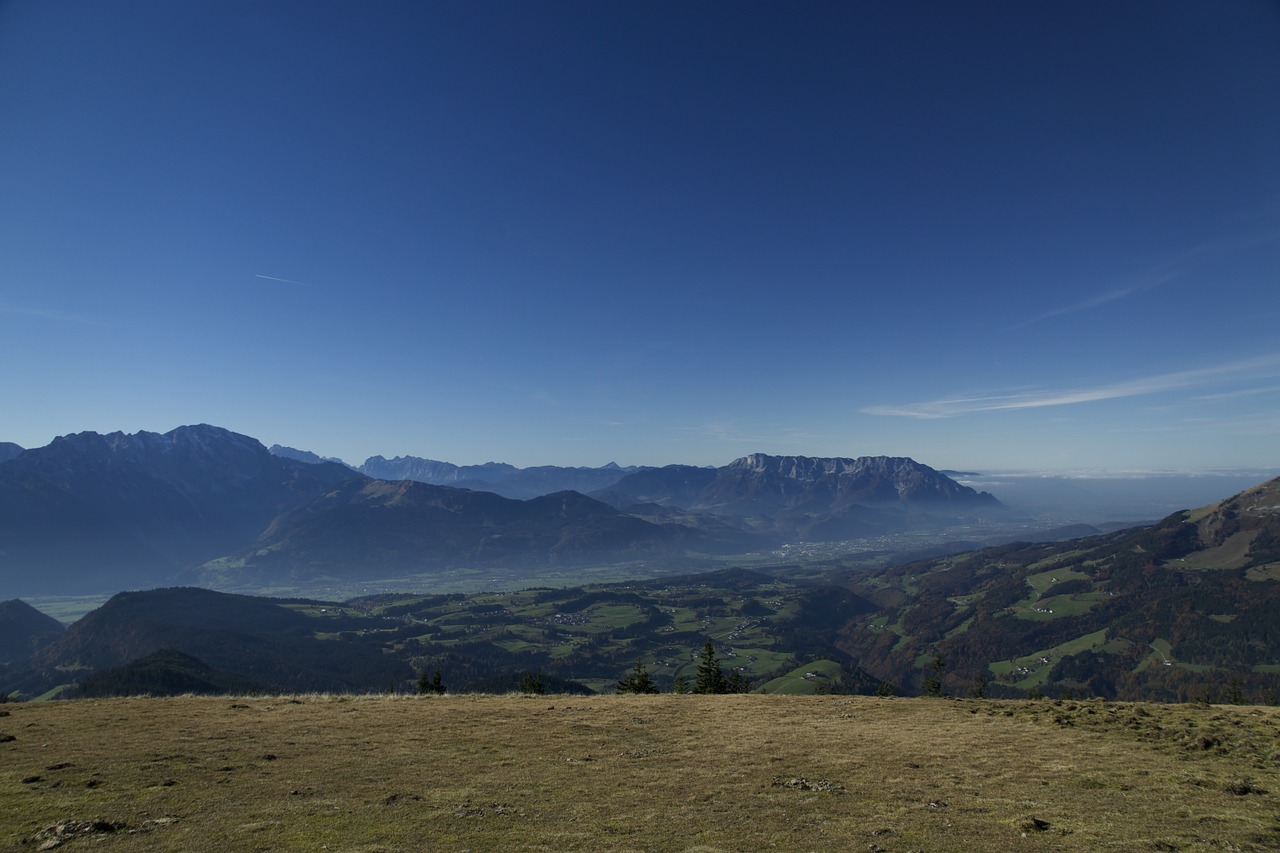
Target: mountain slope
<point x="24" y="630"/>
<point x="9" y="450"/>
<point x="379" y="528"/>
<point x="257" y="638"/>
<point x="1184" y="609"/>
<point x="94" y="511"/>
<point x="168" y="672"/>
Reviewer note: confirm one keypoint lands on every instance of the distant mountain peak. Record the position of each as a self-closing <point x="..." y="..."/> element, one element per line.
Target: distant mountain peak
<point x="833" y="497"/>
<point x="305" y="456"/>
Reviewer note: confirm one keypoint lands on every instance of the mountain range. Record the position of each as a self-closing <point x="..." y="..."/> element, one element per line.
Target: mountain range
<point x="201" y="504"/>
<point x="496" y="477"/>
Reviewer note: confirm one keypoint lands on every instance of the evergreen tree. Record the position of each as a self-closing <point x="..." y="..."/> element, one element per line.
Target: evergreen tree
<point x="932" y="684"/>
<point x="681" y="686"/>
<point x="638" y="681"/>
<point x="532" y="683"/>
<point x="430" y="685"/>
<point x="710" y="677"/>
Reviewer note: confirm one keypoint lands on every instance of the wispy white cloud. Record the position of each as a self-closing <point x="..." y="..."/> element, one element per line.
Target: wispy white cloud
<point x="948" y="408"/>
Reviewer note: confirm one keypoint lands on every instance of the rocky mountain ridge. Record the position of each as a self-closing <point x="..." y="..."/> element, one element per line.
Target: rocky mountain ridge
<point x="817" y="499"/>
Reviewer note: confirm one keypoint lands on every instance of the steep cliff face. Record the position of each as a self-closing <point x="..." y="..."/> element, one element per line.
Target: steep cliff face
<point x="760" y="484"/>
<point x="874" y="479"/>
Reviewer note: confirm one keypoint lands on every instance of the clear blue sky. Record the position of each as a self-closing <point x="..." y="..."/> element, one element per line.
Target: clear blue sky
<point x="984" y="235"/>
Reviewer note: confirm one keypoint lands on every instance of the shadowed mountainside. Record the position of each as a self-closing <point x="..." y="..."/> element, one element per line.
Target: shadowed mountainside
<point x="379" y="528"/>
<point x="24" y="630"/>
<point x="1184" y="609"/>
<point x="93" y="512"/>
<point x="265" y="641"/>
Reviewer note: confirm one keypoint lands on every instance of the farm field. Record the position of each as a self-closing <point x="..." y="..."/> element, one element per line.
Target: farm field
<point x="704" y="773"/>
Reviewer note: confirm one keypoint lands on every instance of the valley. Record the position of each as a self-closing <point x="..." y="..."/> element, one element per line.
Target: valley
<point x="353" y="584"/>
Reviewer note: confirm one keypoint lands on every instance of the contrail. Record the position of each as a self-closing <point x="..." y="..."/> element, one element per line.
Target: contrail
<point x="47" y="314"/>
<point x="285" y="280"/>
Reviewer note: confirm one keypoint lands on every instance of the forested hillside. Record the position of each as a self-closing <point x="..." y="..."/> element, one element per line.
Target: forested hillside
<point x="1185" y="609"/>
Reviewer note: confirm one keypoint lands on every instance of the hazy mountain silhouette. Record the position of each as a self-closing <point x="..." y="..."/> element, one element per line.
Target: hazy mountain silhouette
<point x="815" y="498"/>
<point x="497" y="477"/>
<point x="97" y="512"/>
<point x="24" y="630"/>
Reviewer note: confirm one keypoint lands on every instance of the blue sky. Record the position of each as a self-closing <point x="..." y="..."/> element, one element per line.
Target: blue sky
<point x="988" y="235"/>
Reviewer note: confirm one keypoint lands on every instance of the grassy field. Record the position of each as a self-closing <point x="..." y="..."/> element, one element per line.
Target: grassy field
<point x="694" y="773"/>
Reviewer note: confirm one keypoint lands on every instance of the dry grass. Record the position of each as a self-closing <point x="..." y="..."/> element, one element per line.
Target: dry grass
<point x="636" y="773"/>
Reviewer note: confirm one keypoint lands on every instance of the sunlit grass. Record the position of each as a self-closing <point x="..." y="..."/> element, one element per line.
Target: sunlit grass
<point x="639" y="773"/>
